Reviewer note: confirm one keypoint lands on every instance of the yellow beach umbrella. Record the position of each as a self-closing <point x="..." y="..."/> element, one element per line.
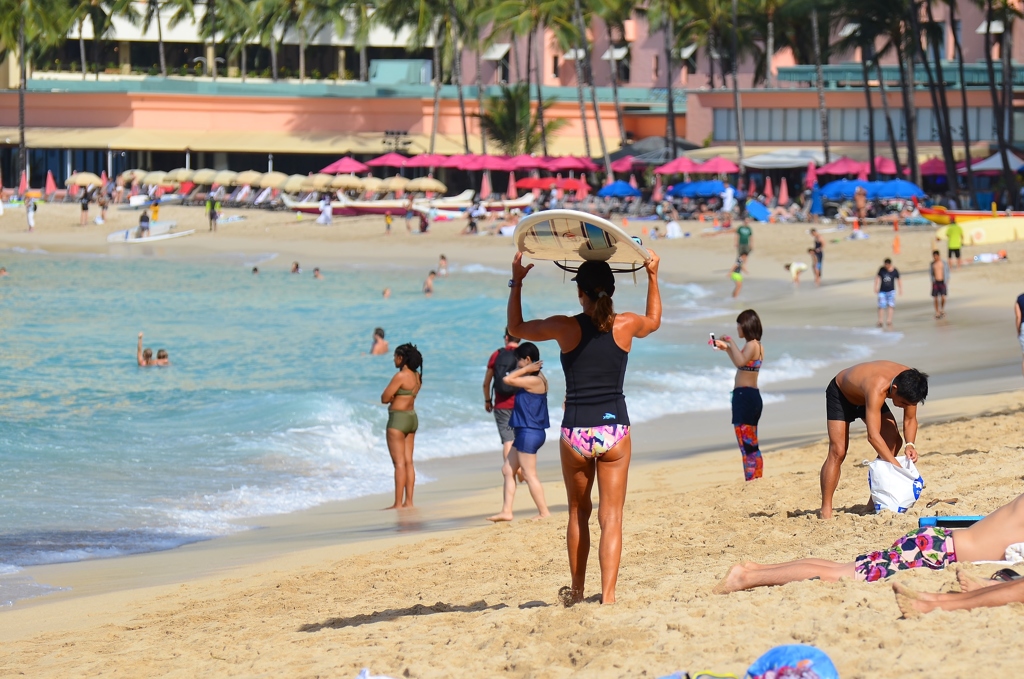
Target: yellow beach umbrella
<point x="273" y="180"/>
<point x="225" y="178"/>
<point x="83" y="179"/>
<point x="424" y="184"/>
<point x="130" y="176"/>
<point x="396" y="183"/>
<point x="346" y="181"/>
<point x="248" y="178"/>
<point x="371" y="184"/>
<point x="204" y="176"/>
<point x="155" y="179"/>
<point x="179" y="174"/>
<point x="318" y="182"/>
<point x="295" y="183"/>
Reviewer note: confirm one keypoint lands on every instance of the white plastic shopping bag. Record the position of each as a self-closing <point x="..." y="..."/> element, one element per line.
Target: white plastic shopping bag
<point x="894" y="488"/>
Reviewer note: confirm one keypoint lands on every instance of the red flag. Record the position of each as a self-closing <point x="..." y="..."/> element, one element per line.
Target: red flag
<point x="656" y="196"/>
<point x="512" y="193"/>
<point x="51" y="185"/>
<point x="23" y="184"/>
<point x="769" y="192"/>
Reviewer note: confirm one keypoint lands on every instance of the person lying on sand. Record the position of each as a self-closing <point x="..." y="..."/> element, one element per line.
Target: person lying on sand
<point x="860" y="392"/>
<point x="931" y="547"/>
<point x="974" y="594"/>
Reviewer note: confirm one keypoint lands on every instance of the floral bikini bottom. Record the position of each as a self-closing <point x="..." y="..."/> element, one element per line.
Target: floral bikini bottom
<point x="593" y="442"/>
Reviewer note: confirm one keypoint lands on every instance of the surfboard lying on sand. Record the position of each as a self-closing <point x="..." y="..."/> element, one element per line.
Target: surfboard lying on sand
<point x="989" y="231"/>
<point x="569" y="236"/>
<point x="157" y="231"/>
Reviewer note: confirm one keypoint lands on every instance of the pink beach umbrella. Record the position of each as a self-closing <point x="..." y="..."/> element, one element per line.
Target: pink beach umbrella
<point x="51" y="184"/>
<point x="769" y="192"/>
<point x="752" y="188"/>
<point x="391" y="159"/>
<point x="103" y="178"/>
<point x="783" y="192"/>
<point x="656" y="196"/>
<point x="624" y="164"/>
<point x="718" y="165"/>
<point x="23" y="184"/>
<point x="584" y="190"/>
<point x="485" y="186"/>
<point x="933" y="167"/>
<point x="426" y="160"/>
<point x="512" y="193"/>
<point x="345" y="165"/>
<point x="812" y="175"/>
<point x="885" y="165"/>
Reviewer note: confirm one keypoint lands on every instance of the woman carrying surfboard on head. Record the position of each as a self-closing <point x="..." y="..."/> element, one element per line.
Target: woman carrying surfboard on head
<point x="595" y="441"/>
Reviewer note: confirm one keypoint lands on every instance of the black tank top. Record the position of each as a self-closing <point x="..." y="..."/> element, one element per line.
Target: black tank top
<point x="594" y="371"/>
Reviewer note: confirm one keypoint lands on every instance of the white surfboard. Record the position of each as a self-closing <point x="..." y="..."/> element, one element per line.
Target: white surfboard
<point x="569" y="236"/>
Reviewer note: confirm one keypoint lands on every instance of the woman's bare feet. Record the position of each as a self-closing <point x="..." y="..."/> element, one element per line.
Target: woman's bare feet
<point x="568" y="597"/>
<point x="541" y="517"/>
<point x="392" y="507"/>
<point x="733" y="582"/>
<point x="969" y="583"/>
<point x="911" y="603"/>
<point x="500" y="517"/>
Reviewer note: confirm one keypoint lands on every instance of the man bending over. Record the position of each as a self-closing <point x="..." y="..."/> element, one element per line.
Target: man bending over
<point x="931" y="547"/>
<point x="860" y="392"/>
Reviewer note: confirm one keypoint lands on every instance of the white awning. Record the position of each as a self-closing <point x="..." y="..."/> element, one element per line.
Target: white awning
<point x="619" y="52"/>
<point x="573" y="55"/>
<point x="687" y="51"/>
<point x="495" y="52"/>
<point x="848" y="30"/>
<point x="997" y="28"/>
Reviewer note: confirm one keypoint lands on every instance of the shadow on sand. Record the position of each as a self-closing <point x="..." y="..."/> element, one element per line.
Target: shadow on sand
<point x="395" y="613"/>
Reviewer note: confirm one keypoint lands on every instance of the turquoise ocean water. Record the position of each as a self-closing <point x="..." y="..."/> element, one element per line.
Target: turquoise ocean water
<point x="270" y="405"/>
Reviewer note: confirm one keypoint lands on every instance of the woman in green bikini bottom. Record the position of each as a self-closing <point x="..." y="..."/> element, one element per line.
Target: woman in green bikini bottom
<point x="400" y="395"/>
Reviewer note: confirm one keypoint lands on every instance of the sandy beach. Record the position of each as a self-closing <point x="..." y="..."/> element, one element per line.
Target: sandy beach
<point x="435" y="592"/>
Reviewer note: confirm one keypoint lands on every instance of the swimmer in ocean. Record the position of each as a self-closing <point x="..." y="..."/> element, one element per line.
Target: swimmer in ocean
<point x="380" y="345"/>
<point x="144" y="357"/>
<point x="296" y="268"/>
<point x="428" y="285"/>
<point x="317" y="275"/>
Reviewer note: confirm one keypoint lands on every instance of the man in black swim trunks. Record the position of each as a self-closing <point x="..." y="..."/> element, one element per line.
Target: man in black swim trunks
<point x="860" y="392"/>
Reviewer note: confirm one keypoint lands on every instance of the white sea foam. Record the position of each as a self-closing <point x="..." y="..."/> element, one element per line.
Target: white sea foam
<point x="478" y="268"/>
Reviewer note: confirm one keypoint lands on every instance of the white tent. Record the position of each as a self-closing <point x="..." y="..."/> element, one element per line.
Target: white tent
<point x="784" y="159"/>
<point x="995" y="164"/>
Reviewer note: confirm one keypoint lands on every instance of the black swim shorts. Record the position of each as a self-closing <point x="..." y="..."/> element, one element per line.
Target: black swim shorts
<point x="838" y="407"/>
<point x="953" y="252"/>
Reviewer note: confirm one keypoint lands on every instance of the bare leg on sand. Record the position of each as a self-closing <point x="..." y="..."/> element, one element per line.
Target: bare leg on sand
<point x="913" y="603"/>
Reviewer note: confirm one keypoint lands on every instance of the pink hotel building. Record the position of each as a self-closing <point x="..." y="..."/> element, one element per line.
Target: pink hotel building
<point x="128" y="117"/>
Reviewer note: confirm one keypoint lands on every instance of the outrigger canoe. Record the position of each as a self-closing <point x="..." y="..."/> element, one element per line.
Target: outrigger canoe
<point x="346" y="207"/>
<point x="943" y="217"/>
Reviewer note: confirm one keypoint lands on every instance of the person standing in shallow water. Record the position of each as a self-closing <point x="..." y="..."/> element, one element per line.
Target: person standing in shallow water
<point x="530" y="422"/>
<point x="400" y="397"/>
<point x="746" y="397"/>
<point x="595" y="441"/>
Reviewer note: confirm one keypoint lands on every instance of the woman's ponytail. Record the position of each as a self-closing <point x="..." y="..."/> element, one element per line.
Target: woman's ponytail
<point x="604" y="312"/>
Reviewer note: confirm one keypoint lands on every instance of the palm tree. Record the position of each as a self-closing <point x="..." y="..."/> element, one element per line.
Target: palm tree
<point x="588" y="72"/>
<point x="427" y="21"/>
<point x="526" y="18"/>
<point x="510" y="123"/>
<point x="662" y="14"/>
<point x="999" y="105"/>
<point x="963" y="103"/>
<point x="150" y="13"/>
<point x="305" y="17"/>
<point x="240" y="24"/>
<point x="615" y="14"/>
<point x="819" y="81"/>
<point x="30" y="24"/>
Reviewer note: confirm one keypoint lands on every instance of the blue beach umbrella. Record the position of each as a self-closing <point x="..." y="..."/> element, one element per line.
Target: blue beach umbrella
<point x="619" y="189"/>
<point x="702" y="189"/>
<point x="845" y="189"/>
<point x="899" y="188"/>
